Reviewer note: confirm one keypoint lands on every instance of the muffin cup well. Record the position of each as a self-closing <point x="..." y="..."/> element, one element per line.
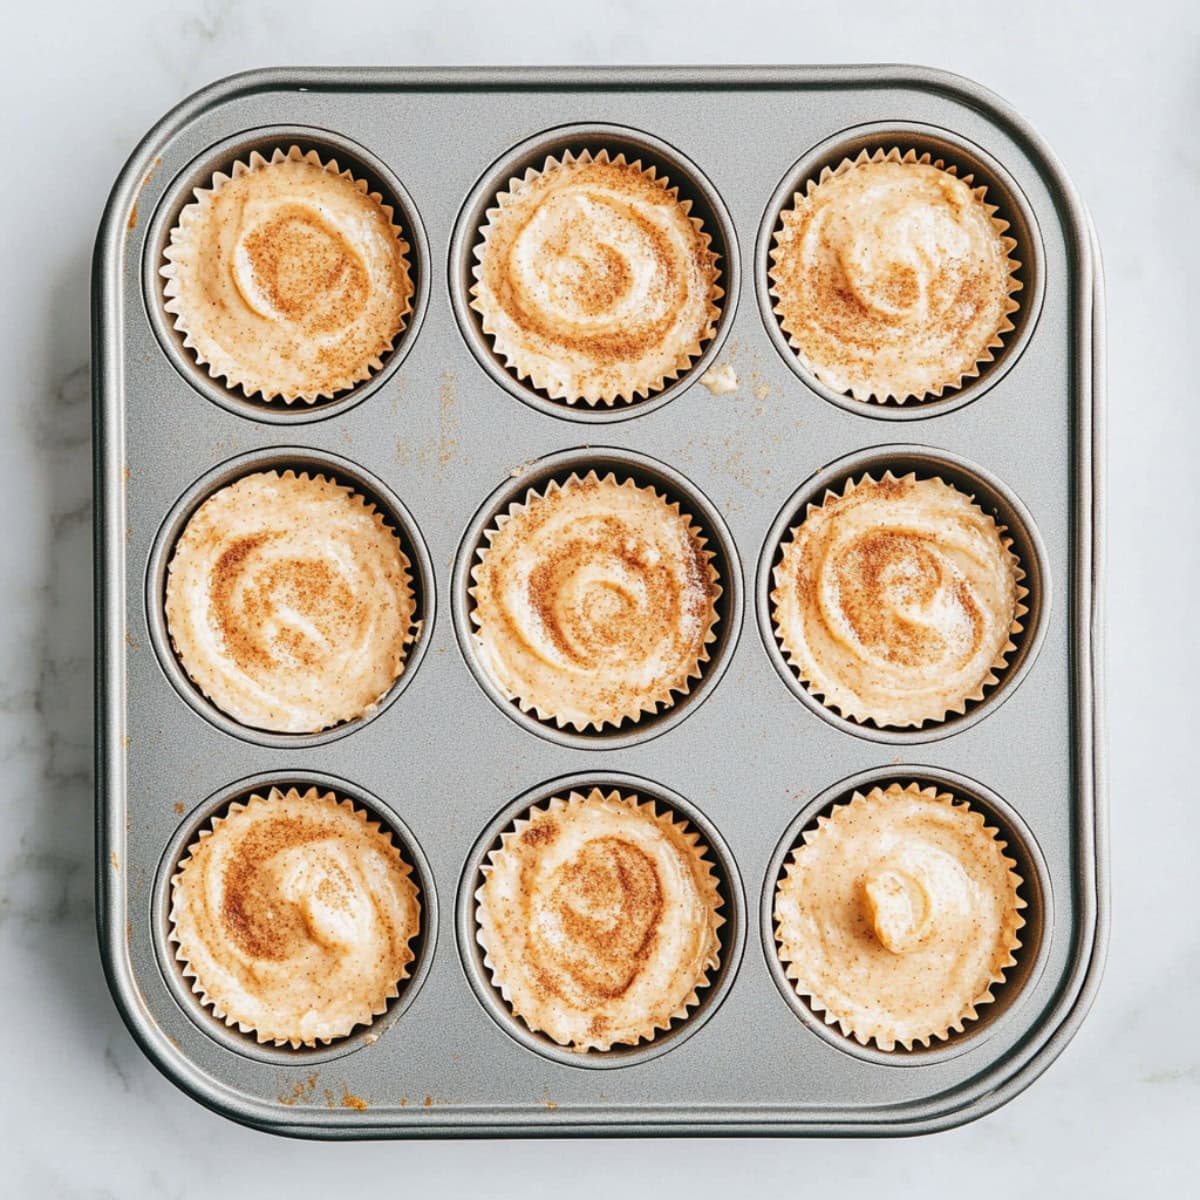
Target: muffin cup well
<point x="1004" y="956"/>
<point x="515" y="357"/>
<point x="313" y="799"/>
<point x="684" y="839"/>
<point x="858" y="712"/>
<point x="332" y="151"/>
<point x="730" y="932"/>
<point x="570" y="144"/>
<point x="300" y="460"/>
<point x="1029" y="958"/>
<point x="638" y="706"/>
<point x="193" y="569"/>
<point x="988" y="494"/>
<point x="182" y="986"/>
<point x="960" y="157"/>
<point x="639" y="725"/>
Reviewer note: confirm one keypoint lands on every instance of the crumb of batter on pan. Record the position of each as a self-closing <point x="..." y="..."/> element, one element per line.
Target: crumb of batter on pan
<point x="720" y="380"/>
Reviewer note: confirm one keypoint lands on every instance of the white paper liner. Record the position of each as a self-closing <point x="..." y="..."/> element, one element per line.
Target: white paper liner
<point x="283" y="1036"/>
<point x="684" y="839"/>
<point x="637" y="386"/>
<point x="1008" y="939"/>
<point x="862" y="713"/>
<point x="652" y="701"/>
<point x="987" y="353"/>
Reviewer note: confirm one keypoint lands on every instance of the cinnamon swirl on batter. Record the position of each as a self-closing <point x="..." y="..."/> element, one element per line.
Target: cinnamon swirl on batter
<point x="598" y="918"/>
<point x="288" y="278"/>
<point x="594" y="281"/>
<point x="594" y="602"/>
<point x="893" y="278"/>
<point x="897" y="601"/>
<point x="289" y="602"/>
<point x="293" y="915"/>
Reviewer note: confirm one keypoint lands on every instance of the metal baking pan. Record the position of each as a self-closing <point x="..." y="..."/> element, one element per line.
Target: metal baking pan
<point x="442" y="436"/>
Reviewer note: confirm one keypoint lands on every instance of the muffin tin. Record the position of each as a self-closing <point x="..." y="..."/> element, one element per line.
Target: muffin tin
<point x="443" y="438"/>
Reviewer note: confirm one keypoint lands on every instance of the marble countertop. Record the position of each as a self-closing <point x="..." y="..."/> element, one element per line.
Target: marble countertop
<point x="1114" y="87"/>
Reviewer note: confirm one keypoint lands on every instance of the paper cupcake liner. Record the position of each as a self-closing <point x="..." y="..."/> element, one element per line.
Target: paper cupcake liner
<point x="414" y="623"/>
<point x="684" y="838"/>
<point x="860" y="714"/>
<point x="656" y="701"/>
<point x="1009" y="244"/>
<point x="633" y="389"/>
<point x="226" y="369"/>
<point x="283" y="1036"/>
<point x="1011" y="940"/>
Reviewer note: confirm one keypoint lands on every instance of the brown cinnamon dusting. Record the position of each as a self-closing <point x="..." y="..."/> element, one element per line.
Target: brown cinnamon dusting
<point x="608" y="900"/>
<point x="264" y="929"/>
<point x="882" y="579"/>
<point x="308" y="586"/>
<point x="576" y="929"/>
<point x="885" y="569"/>
<point x="603" y="277"/>
<point x="663" y="615"/>
<point x="310" y="274"/>
<point x="540" y="833"/>
<point x="877" y="570"/>
<point x="270" y="927"/>
<point x="301" y="1091"/>
<point x="959" y="313"/>
<point x="322" y="308"/>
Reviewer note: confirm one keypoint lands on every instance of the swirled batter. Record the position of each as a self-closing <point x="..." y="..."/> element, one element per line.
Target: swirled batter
<point x="898" y="915"/>
<point x="598" y="917"/>
<point x="594" y="602"/>
<point x="293" y="916"/>
<point x="287" y="278"/>
<point x="896" y="602"/>
<point x="289" y="602"/>
<point x="594" y="281"/>
<point x="893" y="278"/>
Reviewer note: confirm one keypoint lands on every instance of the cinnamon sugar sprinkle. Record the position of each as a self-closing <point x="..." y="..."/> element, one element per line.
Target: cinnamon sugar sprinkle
<point x="595" y="600"/>
<point x="897" y="601"/>
<point x="594" y="280"/>
<point x="288" y="278"/>
<point x="601" y="930"/>
<point x="293" y="914"/>
<point x="893" y="278"/>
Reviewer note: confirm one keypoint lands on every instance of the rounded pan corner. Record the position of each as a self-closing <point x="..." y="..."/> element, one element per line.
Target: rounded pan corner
<point x="1005" y="117"/>
<point x="176" y="1068"/>
<point x="169" y="1060"/>
<point x="115" y="220"/>
<point x="168" y="1057"/>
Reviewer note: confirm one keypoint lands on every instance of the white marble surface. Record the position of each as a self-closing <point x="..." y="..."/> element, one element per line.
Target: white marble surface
<point x="1116" y="89"/>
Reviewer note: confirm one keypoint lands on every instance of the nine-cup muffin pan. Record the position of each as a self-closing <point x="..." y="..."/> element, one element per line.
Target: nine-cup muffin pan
<point x="442" y="439"/>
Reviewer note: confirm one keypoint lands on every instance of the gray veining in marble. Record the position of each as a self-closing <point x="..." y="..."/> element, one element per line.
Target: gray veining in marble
<point x="1114" y="87"/>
